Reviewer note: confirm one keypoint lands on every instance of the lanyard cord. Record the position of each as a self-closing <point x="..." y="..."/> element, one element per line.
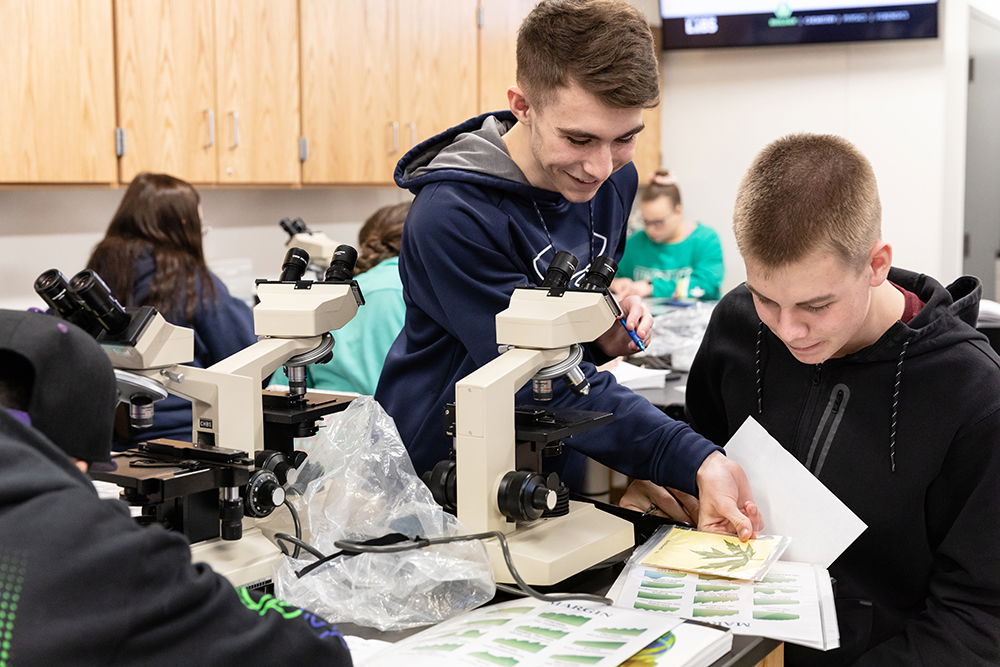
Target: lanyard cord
<point x="590" y="211"/>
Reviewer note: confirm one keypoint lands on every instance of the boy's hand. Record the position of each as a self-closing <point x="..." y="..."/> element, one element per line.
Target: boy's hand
<point x="648" y="498"/>
<point x="726" y="503"/>
<point x="615" y="342"/>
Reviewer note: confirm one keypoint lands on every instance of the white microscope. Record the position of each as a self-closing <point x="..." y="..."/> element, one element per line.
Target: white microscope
<point x="495" y="479"/>
<point x="317" y="244"/>
<point x="241" y="441"/>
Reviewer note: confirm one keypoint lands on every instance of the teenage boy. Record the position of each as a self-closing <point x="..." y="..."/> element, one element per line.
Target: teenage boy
<point x="876" y="380"/>
<point x="496" y="198"/>
<point x="80" y="581"/>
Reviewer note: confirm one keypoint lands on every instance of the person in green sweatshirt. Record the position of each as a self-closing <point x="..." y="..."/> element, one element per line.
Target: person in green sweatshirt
<point x="672" y="257"/>
<point x="362" y="343"/>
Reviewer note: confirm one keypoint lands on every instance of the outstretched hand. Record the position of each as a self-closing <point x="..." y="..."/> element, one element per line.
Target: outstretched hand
<point x="726" y="503"/>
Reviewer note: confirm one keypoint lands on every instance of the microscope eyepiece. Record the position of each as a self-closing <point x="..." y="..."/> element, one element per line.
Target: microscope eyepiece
<point x="296" y="261"/>
<point x="601" y="273"/>
<point x="560" y="270"/>
<point x="293" y="227"/>
<point x="97" y="298"/>
<point x="341" y="265"/>
<point x="54" y="289"/>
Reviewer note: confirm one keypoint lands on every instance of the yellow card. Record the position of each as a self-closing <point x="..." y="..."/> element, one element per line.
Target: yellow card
<point x="719" y="555"/>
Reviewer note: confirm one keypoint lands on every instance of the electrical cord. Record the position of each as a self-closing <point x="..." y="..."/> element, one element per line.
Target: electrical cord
<point x="353" y="548"/>
<point x="285" y="537"/>
<point x="298" y="530"/>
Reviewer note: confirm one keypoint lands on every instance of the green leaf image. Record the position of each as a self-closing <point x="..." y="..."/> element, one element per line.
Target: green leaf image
<point x="661" y="584"/>
<point x="774" y="601"/>
<point x="706" y="588"/>
<point x="729" y="597"/>
<point x="774" y="616"/>
<point x="714" y="612"/>
<point x="604" y="646"/>
<point x="632" y="632"/>
<point x="437" y="647"/>
<point x="544" y="632"/>
<point x="733" y="558"/>
<point x="571" y="619"/>
<point x="653" y="607"/>
<point x="520" y="644"/>
<point x="495" y="659"/>
<point x="647" y="595"/>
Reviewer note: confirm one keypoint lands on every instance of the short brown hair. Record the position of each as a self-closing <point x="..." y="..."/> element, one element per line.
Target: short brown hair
<point x="807" y="192"/>
<point x="604" y="46"/>
<point x="381" y="236"/>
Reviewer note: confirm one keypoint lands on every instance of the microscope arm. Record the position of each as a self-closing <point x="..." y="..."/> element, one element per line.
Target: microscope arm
<point x="484" y="431"/>
<point x="265" y="356"/>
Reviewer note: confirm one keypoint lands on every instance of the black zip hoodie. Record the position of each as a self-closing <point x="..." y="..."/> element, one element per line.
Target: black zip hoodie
<point x="906" y="432"/>
<point x="82" y="584"/>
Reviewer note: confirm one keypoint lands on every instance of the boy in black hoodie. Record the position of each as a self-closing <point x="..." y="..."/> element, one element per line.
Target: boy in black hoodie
<point x="80" y="582"/>
<point x="876" y="380"/>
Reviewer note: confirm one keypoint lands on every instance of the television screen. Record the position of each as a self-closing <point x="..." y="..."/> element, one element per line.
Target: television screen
<point x="693" y="24"/>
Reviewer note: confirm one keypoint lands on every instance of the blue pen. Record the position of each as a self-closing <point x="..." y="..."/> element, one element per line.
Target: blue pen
<point x="631" y="334"/>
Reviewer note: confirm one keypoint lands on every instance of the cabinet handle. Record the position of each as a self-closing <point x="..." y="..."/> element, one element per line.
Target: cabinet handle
<point x="236" y="129"/>
<point x="210" y="117"/>
<point x="413" y="134"/>
<point x="394" y="126"/>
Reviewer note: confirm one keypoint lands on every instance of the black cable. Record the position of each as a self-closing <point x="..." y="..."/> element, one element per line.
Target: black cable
<point x="285" y="537"/>
<point x="298" y="529"/>
<point x="420" y="542"/>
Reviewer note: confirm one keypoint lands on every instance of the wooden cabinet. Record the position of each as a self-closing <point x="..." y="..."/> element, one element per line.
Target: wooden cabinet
<point x="208" y="91"/>
<point x="57" y="83"/>
<point x="379" y="76"/>
<point x="500" y="20"/>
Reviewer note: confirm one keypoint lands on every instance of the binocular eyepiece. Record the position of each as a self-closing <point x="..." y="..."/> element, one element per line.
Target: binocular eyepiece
<point x="341" y="268"/>
<point x="598" y="277"/>
<point x="293" y="227"/>
<point x="84" y="300"/>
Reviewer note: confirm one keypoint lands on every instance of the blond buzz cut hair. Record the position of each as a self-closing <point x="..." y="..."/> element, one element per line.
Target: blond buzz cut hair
<point x="808" y="192"/>
<point x="604" y="46"/>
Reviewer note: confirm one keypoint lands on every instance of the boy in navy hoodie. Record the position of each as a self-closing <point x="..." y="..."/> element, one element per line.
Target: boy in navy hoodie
<point x="496" y="198"/>
<point x="80" y="582"/>
<point x="876" y="380"/>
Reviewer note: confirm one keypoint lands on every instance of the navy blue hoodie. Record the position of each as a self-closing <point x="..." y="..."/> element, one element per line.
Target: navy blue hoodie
<point x="476" y="230"/>
<point x="222" y="327"/>
<point x="906" y="432"/>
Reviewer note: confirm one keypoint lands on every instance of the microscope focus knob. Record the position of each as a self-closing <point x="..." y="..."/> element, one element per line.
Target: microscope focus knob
<point x="264" y="494"/>
<point x="524" y="495"/>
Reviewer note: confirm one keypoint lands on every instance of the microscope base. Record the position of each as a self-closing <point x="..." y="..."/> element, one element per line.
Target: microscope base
<point x="248" y="561"/>
<point x="547" y="551"/>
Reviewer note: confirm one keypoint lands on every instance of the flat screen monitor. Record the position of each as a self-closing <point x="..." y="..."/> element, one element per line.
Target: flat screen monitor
<point x="695" y="24"/>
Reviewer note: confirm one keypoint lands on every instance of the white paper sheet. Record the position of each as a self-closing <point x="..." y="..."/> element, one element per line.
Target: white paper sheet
<point x="792" y="501"/>
<point x="792" y="604"/>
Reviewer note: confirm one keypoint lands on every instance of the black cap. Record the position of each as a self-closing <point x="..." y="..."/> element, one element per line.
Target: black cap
<point x="74" y="394"/>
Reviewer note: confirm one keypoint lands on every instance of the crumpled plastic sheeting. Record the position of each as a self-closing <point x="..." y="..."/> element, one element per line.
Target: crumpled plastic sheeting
<point x="358" y="483"/>
<point x="677" y="331"/>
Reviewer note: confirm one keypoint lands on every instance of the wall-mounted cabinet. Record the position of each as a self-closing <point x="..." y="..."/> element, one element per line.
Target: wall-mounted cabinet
<point x="379" y="76"/>
<point x="57" y="123"/>
<point x="209" y="91"/>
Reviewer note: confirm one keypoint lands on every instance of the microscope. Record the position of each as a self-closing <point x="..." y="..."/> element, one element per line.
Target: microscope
<point x="216" y="488"/>
<point x="495" y="480"/>
<point x="318" y="245"/>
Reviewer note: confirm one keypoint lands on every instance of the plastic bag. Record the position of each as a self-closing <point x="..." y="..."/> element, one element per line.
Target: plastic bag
<point x="677" y="331"/>
<point x="358" y="483"/>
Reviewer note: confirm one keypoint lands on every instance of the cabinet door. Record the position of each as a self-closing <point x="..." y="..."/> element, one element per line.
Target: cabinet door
<point x="498" y="50"/>
<point x="166" y="88"/>
<point x="257" y="84"/>
<point x="58" y="117"/>
<point x="350" y="94"/>
<point x="438" y="74"/>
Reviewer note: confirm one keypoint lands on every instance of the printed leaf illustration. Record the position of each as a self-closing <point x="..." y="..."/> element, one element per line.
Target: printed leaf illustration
<point x="734" y="558"/>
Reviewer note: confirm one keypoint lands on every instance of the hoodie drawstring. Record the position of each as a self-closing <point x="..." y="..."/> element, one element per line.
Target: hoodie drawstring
<point x="590" y="210"/>
<point x="758" y="382"/>
<point x="895" y="407"/>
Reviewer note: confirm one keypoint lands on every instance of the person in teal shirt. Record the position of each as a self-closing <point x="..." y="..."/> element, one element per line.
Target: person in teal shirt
<point x="362" y="343"/>
<point x="672" y="257"/>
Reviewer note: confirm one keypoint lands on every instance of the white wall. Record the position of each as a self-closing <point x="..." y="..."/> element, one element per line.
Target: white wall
<point x="901" y="102"/>
<point x="58" y="227"/>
